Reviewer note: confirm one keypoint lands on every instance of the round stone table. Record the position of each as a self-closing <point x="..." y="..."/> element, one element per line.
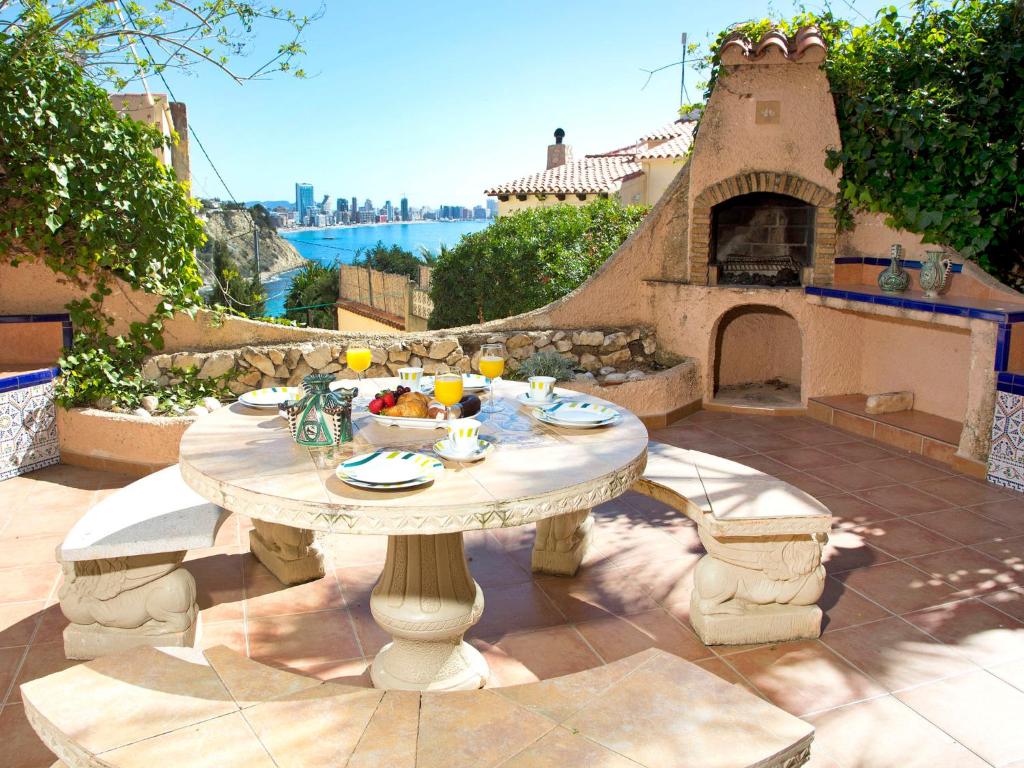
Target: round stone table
<point x="246" y="461"/>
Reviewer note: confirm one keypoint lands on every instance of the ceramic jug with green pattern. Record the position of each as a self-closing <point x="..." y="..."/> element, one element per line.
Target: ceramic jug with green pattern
<point x="894" y="278"/>
<point x="322" y="417"/>
<point x="935" y="273"/>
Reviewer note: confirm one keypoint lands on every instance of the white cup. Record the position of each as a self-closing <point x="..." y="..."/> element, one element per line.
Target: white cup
<point x="410" y="377"/>
<point x="541" y="387"/>
<point x="463" y="435"/>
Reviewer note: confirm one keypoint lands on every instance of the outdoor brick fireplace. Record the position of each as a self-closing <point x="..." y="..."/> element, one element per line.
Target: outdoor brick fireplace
<point x="763" y="229"/>
<point x="761" y="239"/>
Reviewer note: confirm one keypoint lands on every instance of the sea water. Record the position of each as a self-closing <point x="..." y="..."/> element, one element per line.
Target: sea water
<point x="329" y="244"/>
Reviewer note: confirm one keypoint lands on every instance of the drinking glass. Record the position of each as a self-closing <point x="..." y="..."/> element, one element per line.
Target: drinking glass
<point x="358" y="359"/>
<point x="492" y="365"/>
<point x="448" y="390"/>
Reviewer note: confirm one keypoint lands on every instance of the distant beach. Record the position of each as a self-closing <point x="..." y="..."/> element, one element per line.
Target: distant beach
<point x="341" y="243"/>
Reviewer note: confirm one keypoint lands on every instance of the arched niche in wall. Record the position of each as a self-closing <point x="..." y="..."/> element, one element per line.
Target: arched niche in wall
<point x="757" y="357"/>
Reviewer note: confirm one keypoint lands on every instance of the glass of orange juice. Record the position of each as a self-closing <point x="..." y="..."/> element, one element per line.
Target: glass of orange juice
<point x="492" y="365"/>
<point x="358" y="359"/>
<point x="448" y="390"/>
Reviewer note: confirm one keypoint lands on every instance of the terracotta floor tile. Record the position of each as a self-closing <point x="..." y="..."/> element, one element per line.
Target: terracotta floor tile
<point x="354" y="672"/>
<point x="899" y="587"/>
<point x="909" y="740"/>
<point x="1009" y="601"/>
<point x="962" y="491"/>
<point x="847" y="550"/>
<point x="515" y="608"/>
<point x="218" y="585"/>
<point x="851" y="477"/>
<point x="371" y="637"/>
<point x="595" y="598"/>
<point x="735" y="429"/>
<point x="787" y="423"/>
<point x="763" y="463"/>
<point x="970" y="571"/>
<point x="357" y="583"/>
<point x="10" y="660"/>
<point x="715" y="444"/>
<point x="266" y="596"/>
<point x="804" y="458"/>
<point x="1012" y="673"/>
<point x="963" y="525"/>
<point x="896" y="654"/>
<point x="858" y="452"/>
<point x="979" y="710"/>
<point x="51" y="625"/>
<point x="303" y="639"/>
<point x="491" y="565"/>
<point x="903" y="499"/>
<point x="31" y="582"/>
<point x="845" y="608"/>
<point x="18" y="622"/>
<point x="976" y="629"/>
<point x="906" y="470"/>
<point x="227" y="633"/>
<point x="41" y="660"/>
<point x="617" y="637"/>
<point x="819" y="435"/>
<point x="901" y="537"/>
<point x="847" y="508"/>
<point x="21" y="747"/>
<point x="767" y="441"/>
<point x="1009" y="512"/>
<point x="1009" y="551"/>
<point x="346" y="551"/>
<point x="546" y="653"/>
<point x="803" y="676"/>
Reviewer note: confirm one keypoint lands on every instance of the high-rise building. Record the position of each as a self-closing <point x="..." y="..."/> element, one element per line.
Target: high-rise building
<point x="303" y="200"/>
<point x="342" y="205"/>
<point x="404" y="208"/>
<point x="479" y="212"/>
<point x="492" y="207"/>
<point x="389" y="210"/>
<point x="354" y="209"/>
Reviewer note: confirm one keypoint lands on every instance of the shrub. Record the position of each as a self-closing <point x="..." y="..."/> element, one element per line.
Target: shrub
<point x="526" y="260"/>
<point x="392" y="259"/>
<point x="314" y="284"/>
<point x="545" y="364"/>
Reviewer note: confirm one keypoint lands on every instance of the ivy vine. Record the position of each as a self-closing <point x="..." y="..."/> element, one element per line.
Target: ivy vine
<point x="85" y="192"/>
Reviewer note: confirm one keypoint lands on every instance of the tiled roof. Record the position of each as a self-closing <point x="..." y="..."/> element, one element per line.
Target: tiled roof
<point x="589" y="175"/>
<point x="807" y="45"/>
<point x="604" y="172"/>
<point x="674" y="147"/>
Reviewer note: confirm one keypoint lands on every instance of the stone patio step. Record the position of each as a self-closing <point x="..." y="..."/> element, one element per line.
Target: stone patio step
<point x="185" y="708"/>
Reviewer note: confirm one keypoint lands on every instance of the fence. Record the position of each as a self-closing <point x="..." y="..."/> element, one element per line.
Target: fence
<point x="391" y="298"/>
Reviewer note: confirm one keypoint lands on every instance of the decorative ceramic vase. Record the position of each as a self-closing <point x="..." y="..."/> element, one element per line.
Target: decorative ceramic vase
<point x="894" y="279"/>
<point x="321" y="417"/>
<point x="934" y="273"/>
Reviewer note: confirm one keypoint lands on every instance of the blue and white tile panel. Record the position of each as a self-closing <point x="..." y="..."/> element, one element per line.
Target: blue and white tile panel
<point x="28" y="427"/>
<point x="1006" y="458"/>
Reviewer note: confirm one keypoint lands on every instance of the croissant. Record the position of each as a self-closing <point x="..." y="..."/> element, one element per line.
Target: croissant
<point x="411" y="405"/>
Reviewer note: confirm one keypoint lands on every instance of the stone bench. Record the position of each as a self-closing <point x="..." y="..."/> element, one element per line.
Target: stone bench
<point x="762" y="575"/>
<point x="180" y="707"/>
<point x="123" y="584"/>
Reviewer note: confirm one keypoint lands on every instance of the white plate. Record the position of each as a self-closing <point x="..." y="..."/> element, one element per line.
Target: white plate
<point x="271" y="397"/>
<point x="408" y="422"/>
<point x="442" y="449"/>
<point x="525" y="399"/>
<point x="580" y="412"/>
<point x="386" y="486"/>
<point x="541" y="416"/>
<point x="389" y="467"/>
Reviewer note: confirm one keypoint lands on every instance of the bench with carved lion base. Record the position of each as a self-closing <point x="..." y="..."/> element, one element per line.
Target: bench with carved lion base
<point x="180" y="707"/>
<point x="762" y="575"/>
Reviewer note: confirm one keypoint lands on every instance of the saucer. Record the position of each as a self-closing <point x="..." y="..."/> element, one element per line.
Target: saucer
<point x="484" y="446"/>
<point x="525" y="399"/>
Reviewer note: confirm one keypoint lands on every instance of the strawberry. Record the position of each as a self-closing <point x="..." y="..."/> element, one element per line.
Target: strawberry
<point x="377" y="405"/>
<point x="389" y="399"/>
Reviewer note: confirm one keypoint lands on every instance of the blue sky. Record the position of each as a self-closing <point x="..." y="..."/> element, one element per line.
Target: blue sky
<point x="439" y="100"/>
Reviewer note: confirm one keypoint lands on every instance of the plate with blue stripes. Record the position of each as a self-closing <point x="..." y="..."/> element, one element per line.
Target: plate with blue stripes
<point x="388" y="469"/>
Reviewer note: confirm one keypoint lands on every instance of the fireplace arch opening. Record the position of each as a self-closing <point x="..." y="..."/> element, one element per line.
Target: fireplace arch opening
<point x="762" y="238"/>
<point x="757" y="357"/>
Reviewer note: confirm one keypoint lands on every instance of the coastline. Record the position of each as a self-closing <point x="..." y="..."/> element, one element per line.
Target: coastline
<point x="284" y="230"/>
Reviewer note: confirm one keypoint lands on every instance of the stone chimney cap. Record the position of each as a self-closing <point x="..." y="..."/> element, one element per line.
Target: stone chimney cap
<point x="774" y="47"/>
<point x="559" y="135"/>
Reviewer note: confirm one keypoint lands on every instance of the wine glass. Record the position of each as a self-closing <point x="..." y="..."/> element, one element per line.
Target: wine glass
<point x="448" y="390"/>
<point x="492" y="365"/>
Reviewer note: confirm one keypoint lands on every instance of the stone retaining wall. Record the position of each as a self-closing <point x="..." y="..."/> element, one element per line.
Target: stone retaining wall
<point x="609" y="355"/>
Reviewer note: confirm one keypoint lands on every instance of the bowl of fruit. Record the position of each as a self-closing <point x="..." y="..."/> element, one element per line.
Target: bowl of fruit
<point x="401" y="407"/>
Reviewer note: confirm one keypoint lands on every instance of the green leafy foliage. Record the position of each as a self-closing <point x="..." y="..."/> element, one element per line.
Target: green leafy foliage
<point x="230" y="289"/>
<point x="526" y="260"/>
<point x="392" y="259"/>
<point x="544" y="364"/>
<point x="931" y="118"/>
<point x="313" y="285"/>
<point x="84" y="191"/>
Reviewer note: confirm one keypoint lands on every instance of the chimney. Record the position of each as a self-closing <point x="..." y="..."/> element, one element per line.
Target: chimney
<point x="559" y="153"/>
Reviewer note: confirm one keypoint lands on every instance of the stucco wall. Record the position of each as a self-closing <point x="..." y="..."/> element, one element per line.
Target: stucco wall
<point x="30" y="343"/>
<point x="659" y="173"/>
<point x="350" y="321"/>
<point x="756" y="344"/>
<point x="513" y="204"/>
